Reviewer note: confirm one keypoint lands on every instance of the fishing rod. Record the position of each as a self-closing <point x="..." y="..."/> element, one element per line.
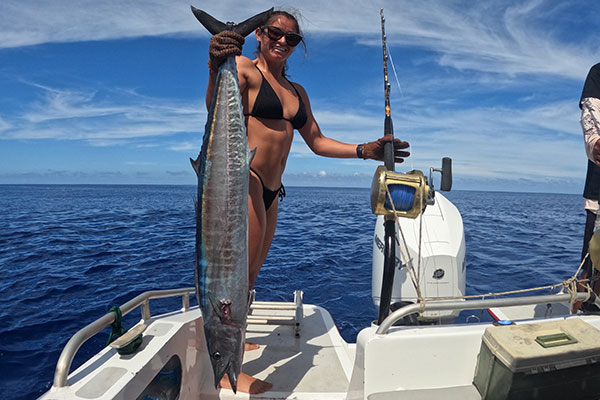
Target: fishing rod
<point x="388" y="127"/>
<point x="389" y="224"/>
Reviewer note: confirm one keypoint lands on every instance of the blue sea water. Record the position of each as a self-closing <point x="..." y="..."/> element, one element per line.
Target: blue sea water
<point x="68" y="253"/>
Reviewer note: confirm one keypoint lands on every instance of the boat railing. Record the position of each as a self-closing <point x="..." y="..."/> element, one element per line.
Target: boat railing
<point x="143" y="301"/>
<point x="432" y="305"/>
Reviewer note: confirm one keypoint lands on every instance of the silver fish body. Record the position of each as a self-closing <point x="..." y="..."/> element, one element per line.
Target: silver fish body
<point x="221" y="271"/>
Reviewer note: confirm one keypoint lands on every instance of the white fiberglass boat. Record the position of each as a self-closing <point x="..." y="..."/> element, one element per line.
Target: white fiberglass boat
<point x="535" y="349"/>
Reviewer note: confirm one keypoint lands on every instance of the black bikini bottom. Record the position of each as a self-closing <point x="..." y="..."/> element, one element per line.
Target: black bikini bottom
<point x="268" y="194"/>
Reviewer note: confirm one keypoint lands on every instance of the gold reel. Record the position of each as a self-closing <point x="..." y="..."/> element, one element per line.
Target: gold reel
<point x="408" y="191"/>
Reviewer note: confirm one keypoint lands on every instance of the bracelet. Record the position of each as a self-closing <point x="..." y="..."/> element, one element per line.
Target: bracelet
<point x="359" y="151"/>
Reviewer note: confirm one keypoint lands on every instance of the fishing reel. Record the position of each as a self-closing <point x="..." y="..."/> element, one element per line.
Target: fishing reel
<point x="408" y="193"/>
<point x="411" y="192"/>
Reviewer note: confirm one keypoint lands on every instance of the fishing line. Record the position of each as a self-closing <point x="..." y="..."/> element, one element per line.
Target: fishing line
<point x="394" y="69"/>
<point x="406" y="254"/>
<point x="415" y="277"/>
<point x="408" y="136"/>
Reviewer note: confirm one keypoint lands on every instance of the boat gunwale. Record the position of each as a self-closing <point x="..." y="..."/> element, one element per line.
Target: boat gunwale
<point x="67" y="355"/>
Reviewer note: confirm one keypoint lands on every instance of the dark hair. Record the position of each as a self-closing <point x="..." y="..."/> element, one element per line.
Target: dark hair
<point x="292" y="17"/>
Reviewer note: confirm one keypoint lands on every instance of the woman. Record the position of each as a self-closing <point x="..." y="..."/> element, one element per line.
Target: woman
<point x="274" y="107"/>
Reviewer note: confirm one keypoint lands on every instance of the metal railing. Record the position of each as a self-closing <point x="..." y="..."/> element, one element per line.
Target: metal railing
<point x="477" y="304"/>
<point x="66" y="357"/>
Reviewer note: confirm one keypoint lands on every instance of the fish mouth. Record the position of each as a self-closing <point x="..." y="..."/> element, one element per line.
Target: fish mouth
<point x="232" y="376"/>
<point x="232" y="380"/>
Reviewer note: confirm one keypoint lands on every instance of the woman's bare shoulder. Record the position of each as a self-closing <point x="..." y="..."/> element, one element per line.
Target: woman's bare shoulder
<point x="244" y="62"/>
<point x="298" y="86"/>
<point x="247" y="68"/>
<point x="300" y="90"/>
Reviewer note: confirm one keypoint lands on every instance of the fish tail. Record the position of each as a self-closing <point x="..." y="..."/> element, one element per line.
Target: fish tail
<point x="215" y="26"/>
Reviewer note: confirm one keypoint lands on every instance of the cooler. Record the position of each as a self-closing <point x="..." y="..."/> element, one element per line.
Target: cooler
<point x="548" y="360"/>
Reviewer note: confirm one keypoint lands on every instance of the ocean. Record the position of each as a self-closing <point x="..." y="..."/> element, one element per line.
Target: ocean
<point x="70" y="252"/>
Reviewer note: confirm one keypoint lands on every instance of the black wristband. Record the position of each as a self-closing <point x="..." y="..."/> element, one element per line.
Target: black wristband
<point x="359" y="151"/>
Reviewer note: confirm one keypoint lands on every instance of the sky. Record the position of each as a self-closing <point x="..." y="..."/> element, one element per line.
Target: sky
<point x="112" y="92"/>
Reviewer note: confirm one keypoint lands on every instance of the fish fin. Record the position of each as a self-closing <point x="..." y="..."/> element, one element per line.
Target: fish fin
<point x="215" y="26"/>
<point x="251" y="155"/>
<point x="196" y="164"/>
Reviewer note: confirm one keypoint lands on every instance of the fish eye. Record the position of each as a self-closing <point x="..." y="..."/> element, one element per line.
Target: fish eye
<point x="216" y="356"/>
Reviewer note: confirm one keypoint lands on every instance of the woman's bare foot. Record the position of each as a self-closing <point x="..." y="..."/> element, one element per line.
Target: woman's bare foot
<point x="247" y="384"/>
<point x="250" y="346"/>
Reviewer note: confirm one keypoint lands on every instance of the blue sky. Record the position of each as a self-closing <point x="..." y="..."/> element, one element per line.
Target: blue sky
<point x="113" y="92"/>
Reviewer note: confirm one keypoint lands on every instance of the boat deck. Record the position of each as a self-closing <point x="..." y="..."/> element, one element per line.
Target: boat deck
<point x="316" y="364"/>
<point x="531" y="311"/>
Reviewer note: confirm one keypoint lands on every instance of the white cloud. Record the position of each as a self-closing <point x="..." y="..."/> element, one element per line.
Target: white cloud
<point x="4" y="125"/>
<point x="498" y="142"/>
<point x="186" y="146"/>
<point x="501" y="37"/>
<point x="484" y="141"/>
<point x="68" y="114"/>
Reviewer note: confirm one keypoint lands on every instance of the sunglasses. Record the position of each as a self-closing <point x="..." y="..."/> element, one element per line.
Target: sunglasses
<point x="274" y="33"/>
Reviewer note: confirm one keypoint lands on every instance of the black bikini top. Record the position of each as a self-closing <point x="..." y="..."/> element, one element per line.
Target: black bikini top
<point x="267" y="105"/>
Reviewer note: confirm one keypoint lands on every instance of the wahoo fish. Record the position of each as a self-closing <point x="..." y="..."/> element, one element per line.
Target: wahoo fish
<point x="221" y="261"/>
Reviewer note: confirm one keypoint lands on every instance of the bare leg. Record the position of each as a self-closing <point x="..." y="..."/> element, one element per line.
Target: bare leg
<point x="257" y="224"/>
<point x="247" y="384"/>
<point x="250" y="346"/>
<point x="257" y="264"/>
<point x="269" y="232"/>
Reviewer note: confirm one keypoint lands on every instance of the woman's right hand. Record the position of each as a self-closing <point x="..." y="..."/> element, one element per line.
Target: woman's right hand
<point x="222" y="45"/>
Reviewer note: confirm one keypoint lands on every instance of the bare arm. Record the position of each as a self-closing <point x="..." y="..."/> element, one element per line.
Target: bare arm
<point x="327" y="147"/>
